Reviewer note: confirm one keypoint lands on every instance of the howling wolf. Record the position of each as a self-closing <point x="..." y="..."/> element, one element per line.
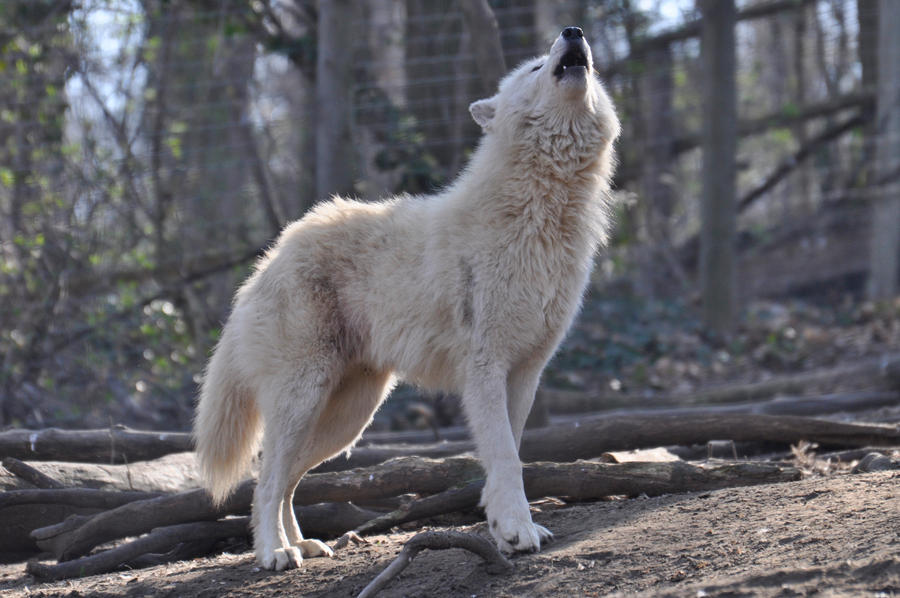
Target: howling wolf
<point x="468" y="291"/>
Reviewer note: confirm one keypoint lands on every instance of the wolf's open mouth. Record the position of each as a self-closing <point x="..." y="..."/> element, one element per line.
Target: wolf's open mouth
<point x="574" y="56"/>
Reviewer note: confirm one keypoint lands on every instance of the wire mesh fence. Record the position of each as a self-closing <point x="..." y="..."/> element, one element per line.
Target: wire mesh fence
<point x="151" y="149"/>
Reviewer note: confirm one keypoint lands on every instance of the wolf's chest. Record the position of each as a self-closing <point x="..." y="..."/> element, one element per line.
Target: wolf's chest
<point x="539" y="298"/>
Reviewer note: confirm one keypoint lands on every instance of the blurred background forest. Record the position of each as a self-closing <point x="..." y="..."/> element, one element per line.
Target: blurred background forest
<point x="151" y="149"/>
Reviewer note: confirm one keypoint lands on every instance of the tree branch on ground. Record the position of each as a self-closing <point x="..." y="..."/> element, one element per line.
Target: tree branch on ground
<point x="496" y="562"/>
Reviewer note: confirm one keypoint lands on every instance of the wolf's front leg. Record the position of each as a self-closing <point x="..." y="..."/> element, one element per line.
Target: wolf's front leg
<point x="503" y="498"/>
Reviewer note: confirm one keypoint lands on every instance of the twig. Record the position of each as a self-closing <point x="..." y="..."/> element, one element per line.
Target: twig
<point x="30" y="474"/>
<point x="497" y="563"/>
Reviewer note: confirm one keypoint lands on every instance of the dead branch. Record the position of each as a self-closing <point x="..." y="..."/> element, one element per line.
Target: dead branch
<point x="30" y="474"/>
<point x="778" y="118"/>
<point x="799" y="156"/>
<point x="159" y="540"/>
<point x="135" y="518"/>
<point x="22" y="511"/>
<point x="497" y="563"/>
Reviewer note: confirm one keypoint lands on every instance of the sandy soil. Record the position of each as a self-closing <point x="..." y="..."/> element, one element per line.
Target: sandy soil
<point x="824" y="536"/>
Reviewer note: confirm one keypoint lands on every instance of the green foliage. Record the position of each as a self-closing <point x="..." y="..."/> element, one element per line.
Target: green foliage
<point x="623" y="334"/>
<point x="403" y="145"/>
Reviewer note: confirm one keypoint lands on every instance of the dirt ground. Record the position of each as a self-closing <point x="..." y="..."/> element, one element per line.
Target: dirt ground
<point x="826" y="536"/>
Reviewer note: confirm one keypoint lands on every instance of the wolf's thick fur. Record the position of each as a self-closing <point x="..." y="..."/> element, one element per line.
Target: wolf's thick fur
<point x="468" y="291"/>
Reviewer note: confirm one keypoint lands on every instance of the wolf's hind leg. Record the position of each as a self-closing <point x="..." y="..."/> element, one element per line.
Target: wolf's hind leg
<point x="343" y="418"/>
<point x="290" y="407"/>
<point x="308" y="548"/>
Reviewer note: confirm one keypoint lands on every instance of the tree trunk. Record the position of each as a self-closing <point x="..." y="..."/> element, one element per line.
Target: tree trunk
<point x="334" y="146"/>
<point x="384" y="97"/>
<point x="884" y="252"/>
<point x="717" y="247"/>
<point x="485" y="39"/>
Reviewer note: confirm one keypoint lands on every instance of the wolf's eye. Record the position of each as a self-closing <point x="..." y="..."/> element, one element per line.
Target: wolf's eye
<point x="537" y="68"/>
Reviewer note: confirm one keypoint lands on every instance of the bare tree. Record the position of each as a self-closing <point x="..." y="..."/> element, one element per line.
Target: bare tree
<point x="334" y="149"/>
<point x="885" y="246"/>
<point x="485" y="39"/>
<point x="717" y="246"/>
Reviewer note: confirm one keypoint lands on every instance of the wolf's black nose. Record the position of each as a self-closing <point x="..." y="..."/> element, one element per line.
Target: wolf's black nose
<point x="572" y="33"/>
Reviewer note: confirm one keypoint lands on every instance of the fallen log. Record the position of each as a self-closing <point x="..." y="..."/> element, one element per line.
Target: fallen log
<point x="813" y="406"/>
<point x="590" y="437"/>
<point x="113" y="445"/>
<point x="875" y="374"/>
<point x="581" y="481"/>
<point x="170" y="473"/>
<point x="593" y="435"/>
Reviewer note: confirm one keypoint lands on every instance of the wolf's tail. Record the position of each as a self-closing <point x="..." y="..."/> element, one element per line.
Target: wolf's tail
<point x="226" y="425"/>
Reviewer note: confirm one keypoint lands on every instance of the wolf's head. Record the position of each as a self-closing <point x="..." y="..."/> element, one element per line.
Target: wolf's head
<point x="557" y="96"/>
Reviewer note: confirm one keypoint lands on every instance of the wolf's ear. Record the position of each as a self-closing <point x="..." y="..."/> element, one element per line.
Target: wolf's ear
<point x="483" y="111"/>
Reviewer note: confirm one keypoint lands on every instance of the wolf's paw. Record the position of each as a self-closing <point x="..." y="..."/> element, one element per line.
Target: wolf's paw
<point x="314" y="548"/>
<point x="516" y="533"/>
<point x="280" y="559"/>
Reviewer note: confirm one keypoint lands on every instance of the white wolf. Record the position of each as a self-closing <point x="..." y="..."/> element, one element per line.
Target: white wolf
<point x="468" y="291"/>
